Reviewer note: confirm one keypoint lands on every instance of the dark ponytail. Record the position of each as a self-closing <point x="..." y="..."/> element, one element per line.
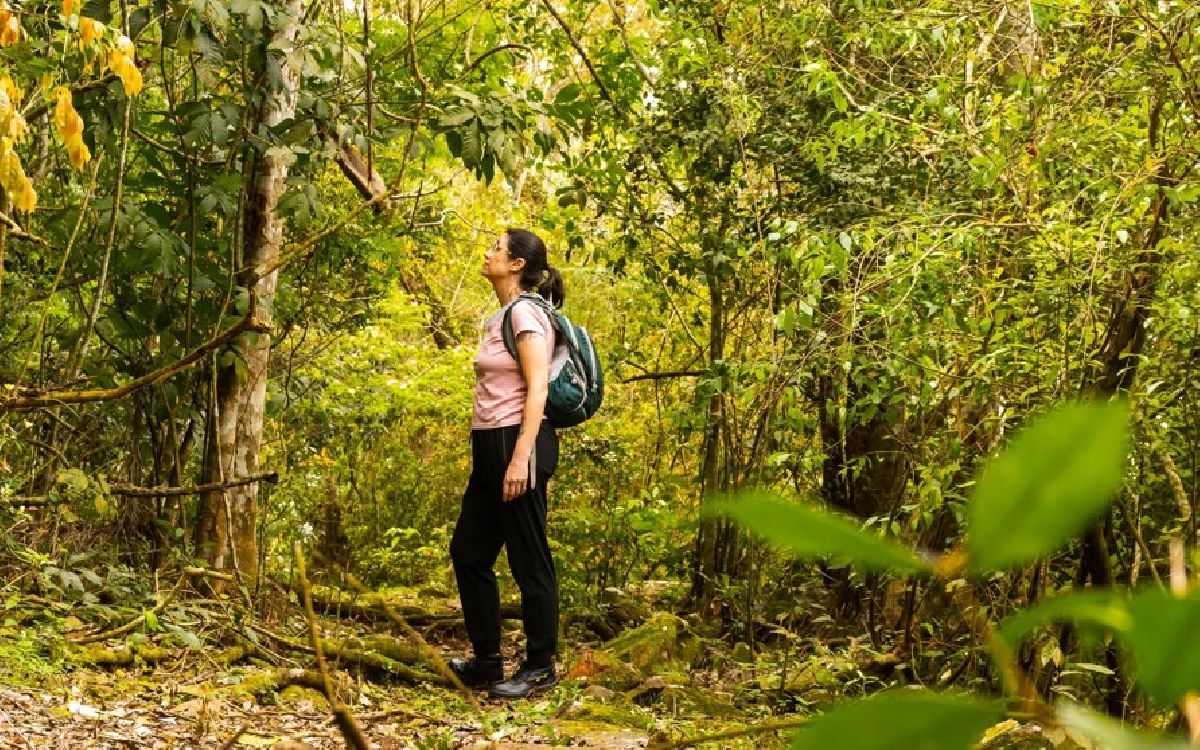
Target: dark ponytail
<point x="538" y="275"/>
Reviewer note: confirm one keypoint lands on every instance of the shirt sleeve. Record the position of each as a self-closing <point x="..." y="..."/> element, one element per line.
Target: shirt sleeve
<point x="527" y="318"/>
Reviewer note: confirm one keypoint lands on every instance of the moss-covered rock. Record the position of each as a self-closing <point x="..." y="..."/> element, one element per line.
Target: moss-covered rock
<point x="742" y="653"/>
<point x="603" y="668"/>
<point x="266" y="686"/>
<point x="296" y="694"/>
<point x="663" y="639"/>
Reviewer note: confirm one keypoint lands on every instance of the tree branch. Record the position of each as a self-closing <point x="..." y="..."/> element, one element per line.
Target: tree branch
<point x="57" y="398"/>
<point x="666" y="375"/>
<point x="489" y="53"/>
<point x="128" y="490"/>
<point x="18" y="233"/>
<point x="562" y="24"/>
<point x="82" y="88"/>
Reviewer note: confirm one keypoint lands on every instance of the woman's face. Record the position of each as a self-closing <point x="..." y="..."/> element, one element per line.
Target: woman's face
<point x="497" y="263"/>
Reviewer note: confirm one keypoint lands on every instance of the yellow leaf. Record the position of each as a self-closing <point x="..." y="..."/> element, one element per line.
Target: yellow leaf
<point x="89" y="31"/>
<point x="10" y="89"/>
<point x="1003" y="727"/>
<point x="125" y="45"/>
<point x="9" y="166"/>
<point x="131" y="77"/>
<point x="26" y="200"/>
<point x="74" y="125"/>
<point x="62" y="107"/>
<point x="10" y="33"/>
<point x="16" y="127"/>
<point x="68" y="8"/>
<point x="78" y="152"/>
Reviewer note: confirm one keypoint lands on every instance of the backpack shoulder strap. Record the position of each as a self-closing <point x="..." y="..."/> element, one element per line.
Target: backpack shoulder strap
<point x="506" y="331"/>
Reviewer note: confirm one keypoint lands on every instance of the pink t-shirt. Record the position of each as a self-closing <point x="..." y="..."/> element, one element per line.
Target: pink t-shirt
<point x="499" y="386"/>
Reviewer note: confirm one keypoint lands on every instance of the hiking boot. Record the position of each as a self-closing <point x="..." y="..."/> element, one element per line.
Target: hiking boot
<point x="478" y="671"/>
<point x="526" y="682"/>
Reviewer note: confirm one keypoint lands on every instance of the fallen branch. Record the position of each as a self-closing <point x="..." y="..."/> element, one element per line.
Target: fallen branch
<point x="380" y="655"/>
<point x="258" y="684"/>
<point x="341" y="713"/>
<point x="37" y="501"/>
<point x="733" y="734"/>
<point x="129" y="490"/>
<point x="234" y="654"/>
<point x="431" y="654"/>
<point x="379" y="665"/>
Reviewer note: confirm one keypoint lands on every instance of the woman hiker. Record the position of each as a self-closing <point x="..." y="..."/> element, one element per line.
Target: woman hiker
<point x="514" y="452"/>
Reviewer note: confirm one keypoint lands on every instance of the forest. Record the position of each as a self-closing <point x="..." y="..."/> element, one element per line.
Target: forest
<point x="898" y="308"/>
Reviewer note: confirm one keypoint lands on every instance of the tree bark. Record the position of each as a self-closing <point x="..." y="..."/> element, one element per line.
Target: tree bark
<point x="716" y="548"/>
<point x="226" y="529"/>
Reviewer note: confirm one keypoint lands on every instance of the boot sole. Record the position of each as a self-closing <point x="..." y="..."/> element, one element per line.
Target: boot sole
<point x="541" y="688"/>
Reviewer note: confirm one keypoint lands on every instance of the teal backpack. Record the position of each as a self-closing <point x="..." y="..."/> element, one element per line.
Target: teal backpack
<point x="577" y="388"/>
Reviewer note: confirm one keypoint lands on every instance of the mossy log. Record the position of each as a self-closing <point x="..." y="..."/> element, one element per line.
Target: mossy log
<point x="380" y="657"/>
<point x="377" y="665"/>
<point x="375" y="611"/>
<point x="95" y="656"/>
<point x="234" y="654"/>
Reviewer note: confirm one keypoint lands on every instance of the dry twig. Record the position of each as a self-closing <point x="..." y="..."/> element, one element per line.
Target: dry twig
<point x="341" y="713"/>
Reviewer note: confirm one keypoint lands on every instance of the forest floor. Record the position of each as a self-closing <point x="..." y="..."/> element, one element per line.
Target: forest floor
<point x="641" y="689"/>
<point x="102" y="710"/>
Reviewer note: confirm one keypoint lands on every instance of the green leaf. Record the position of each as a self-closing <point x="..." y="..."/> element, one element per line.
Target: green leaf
<point x="1053" y="479"/>
<point x="1103" y="607"/>
<point x="152" y="623"/>
<point x="1109" y="734"/>
<point x="1164" y="644"/>
<point x="909" y="719"/>
<point x="456" y="118"/>
<point x="568" y="93"/>
<point x="811" y="532"/>
<point x="188" y="638"/>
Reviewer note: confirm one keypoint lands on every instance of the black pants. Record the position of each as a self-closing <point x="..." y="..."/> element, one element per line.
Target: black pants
<point x="487" y="523"/>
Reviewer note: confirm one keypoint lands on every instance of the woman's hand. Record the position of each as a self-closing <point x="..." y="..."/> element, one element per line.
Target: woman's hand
<point x="516" y="479"/>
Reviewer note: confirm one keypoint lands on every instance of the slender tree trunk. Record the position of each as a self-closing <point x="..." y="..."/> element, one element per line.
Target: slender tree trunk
<point x="712" y="556"/>
<point x="226" y="532"/>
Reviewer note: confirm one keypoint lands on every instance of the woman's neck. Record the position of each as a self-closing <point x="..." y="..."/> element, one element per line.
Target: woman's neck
<point x="506" y="290"/>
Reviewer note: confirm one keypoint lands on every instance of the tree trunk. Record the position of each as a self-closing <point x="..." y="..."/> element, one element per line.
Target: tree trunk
<point x="226" y="531"/>
<point x="715" y="549"/>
